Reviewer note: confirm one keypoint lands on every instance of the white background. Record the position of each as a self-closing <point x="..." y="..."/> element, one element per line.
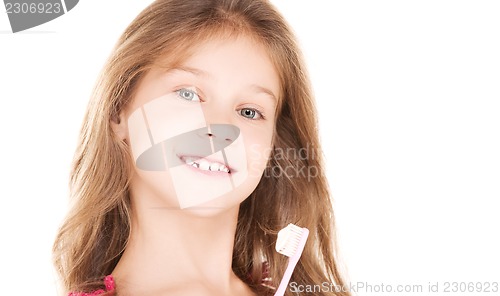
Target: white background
<point x="409" y="100"/>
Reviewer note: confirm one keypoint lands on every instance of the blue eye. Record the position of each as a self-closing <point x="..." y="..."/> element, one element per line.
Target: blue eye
<point x="188" y="95"/>
<point x="251" y="113"/>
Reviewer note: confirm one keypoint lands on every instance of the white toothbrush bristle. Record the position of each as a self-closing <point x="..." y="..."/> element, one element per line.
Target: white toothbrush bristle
<point x="288" y="240"/>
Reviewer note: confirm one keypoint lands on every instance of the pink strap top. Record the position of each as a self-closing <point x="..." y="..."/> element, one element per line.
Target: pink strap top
<point x="109" y="283"/>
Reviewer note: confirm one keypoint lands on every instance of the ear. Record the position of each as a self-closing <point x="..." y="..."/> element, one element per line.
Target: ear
<point x="119" y="126"/>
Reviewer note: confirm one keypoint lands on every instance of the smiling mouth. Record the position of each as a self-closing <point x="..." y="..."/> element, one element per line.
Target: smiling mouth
<point x="204" y="164"/>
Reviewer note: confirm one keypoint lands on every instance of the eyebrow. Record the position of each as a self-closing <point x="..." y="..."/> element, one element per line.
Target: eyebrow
<point x="261" y="89"/>
<point x="194" y="71"/>
<point x="200" y="73"/>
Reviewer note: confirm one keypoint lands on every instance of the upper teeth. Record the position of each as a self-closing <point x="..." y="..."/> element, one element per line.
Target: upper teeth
<point x="204" y="165"/>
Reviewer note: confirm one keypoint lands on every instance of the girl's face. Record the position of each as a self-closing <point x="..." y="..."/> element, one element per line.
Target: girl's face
<point x="201" y="133"/>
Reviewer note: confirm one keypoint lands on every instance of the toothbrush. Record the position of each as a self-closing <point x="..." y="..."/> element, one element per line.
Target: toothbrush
<point x="291" y="241"/>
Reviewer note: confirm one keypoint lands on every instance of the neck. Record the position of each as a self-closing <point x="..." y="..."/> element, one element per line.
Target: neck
<point x="177" y="247"/>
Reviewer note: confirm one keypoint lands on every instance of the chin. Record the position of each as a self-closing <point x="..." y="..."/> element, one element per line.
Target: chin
<point x="221" y="205"/>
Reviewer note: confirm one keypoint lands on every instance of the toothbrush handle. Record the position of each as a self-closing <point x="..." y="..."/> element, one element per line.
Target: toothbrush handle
<point x="292" y="262"/>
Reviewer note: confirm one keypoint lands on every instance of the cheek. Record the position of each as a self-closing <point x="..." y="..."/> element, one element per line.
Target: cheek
<point x="258" y="144"/>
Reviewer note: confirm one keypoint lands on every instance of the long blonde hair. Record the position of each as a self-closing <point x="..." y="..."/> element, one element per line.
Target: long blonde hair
<point x="95" y="231"/>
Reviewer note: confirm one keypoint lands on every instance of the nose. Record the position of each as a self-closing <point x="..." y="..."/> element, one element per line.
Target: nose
<point x="222" y="135"/>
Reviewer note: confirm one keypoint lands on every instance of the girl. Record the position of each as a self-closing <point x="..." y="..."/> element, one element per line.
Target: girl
<point x="199" y="144"/>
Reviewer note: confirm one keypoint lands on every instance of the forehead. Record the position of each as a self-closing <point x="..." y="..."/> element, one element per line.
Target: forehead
<point x="238" y="59"/>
